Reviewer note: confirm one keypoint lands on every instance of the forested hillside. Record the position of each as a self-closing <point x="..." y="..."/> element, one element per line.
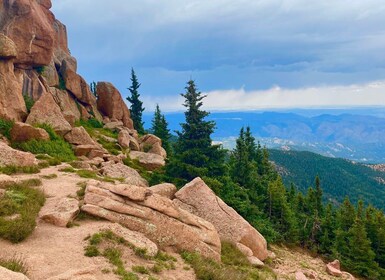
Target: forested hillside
<point x="340" y="177"/>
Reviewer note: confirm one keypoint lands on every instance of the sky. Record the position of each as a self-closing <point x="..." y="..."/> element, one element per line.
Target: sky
<point x="244" y="54"/>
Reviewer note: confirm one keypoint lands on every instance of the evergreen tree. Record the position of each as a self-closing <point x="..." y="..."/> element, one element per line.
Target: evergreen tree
<point x="327" y="231"/>
<point x="160" y="129"/>
<point x="93" y="88"/>
<point x="136" y="107"/>
<point x="194" y="153"/>
<point x="318" y="195"/>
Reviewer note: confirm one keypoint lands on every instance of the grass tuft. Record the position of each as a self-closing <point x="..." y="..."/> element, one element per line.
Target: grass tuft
<point x="13" y="169"/>
<point x="22" y="200"/>
<point x="14" y="263"/>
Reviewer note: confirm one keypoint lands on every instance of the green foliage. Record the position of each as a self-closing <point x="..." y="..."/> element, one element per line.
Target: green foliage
<point x="62" y="83"/>
<point x="160" y="129"/>
<point x="14" y="263"/>
<point x="230" y="268"/>
<point x="93" y="88"/>
<point x="340" y="177"/>
<point x="140" y="269"/>
<point x="40" y="69"/>
<point x="59" y="149"/>
<point x="136" y="107"/>
<point x="90" y="123"/>
<point x="194" y="153"/>
<point x="29" y="102"/>
<point x="5" y="127"/>
<point x="13" y="169"/>
<point x="91" y="251"/>
<point x="24" y="201"/>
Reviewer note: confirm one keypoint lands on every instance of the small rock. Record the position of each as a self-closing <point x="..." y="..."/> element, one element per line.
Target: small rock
<point x="60" y="211"/>
<point x="113" y="125"/>
<point x="124" y="139"/>
<point x="147" y="160"/>
<point x="135" y="238"/>
<point x="255" y="261"/>
<point x="311" y="274"/>
<point x="166" y="189"/>
<point x="299" y="275"/>
<point x="244" y="249"/>
<point x="119" y="170"/>
<point x="334" y="268"/>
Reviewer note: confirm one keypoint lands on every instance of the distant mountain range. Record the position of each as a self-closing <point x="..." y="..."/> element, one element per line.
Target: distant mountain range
<point x="339" y="177"/>
<point x="352" y="135"/>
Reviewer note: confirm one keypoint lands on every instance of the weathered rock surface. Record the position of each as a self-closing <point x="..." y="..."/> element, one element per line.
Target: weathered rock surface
<point x="135" y="238"/>
<point x="334" y="268"/>
<point x="299" y="275"/>
<point x="79" y="136"/>
<point x="10" y="156"/>
<point x="119" y="170"/>
<point x="150" y="143"/>
<point x="22" y="132"/>
<point x="12" y="104"/>
<point x="60" y="211"/>
<point x="45" y="110"/>
<point x="197" y="198"/>
<point x="157" y="217"/>
<point x="89" y="151"/>
<point x="111" y="104"/>
<point x="131" y="191"/>
<point x="67" y="104"/>
<point x="33" y="84"/>
<point x="124" y="139"/>
<point x="87" y="273"/>
<point x="30" y="25"/>
<point x="147" y="160"/>
<point x="7" y="47"/>
<point x="6" y="274"/>
<point x="166" y="189"/>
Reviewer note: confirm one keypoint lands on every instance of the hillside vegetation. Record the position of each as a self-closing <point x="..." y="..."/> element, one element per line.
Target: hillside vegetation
<point x="340" y="177"/>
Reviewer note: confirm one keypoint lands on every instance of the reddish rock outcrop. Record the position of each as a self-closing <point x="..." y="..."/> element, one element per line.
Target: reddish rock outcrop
<point x="22" y="132"/>
<point x="60" y="211"/>
<point x="12" y="104"/>
<point x="11" y="275"/>
<point x="79" y="136"/>
<point x="30" y="25"/>
<point x="157" y="217"/>
<point x="197" y="198"/>
<point x="45" y="110"/>
<point x="111" y="104"/>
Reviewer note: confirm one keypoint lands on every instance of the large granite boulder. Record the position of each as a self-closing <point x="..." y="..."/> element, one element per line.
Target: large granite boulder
<point x="150" y="143"/>
<point x="79" y="136"/>
<point x="7" y="274"/>
<point x="119" y="170"/>
<point x="111" y="104"/>
<point x="157" y="217"/>
<point x="22" y="132"/>
<point x="197" y="198"/>
<point x="10" y="156"/>
<point x="45" y="110"/>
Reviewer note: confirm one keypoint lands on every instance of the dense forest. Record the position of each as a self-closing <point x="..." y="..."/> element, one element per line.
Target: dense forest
<point x="246" y="180"/>
<point x="340" y="177"/>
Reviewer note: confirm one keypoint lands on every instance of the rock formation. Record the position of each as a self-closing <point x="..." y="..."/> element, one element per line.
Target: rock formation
<point x="9" y="156"/>
<point x="157" y="217"/>
<point x="197" y="198"/>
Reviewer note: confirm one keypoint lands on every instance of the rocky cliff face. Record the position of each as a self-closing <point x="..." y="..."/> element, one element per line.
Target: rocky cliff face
<point x="35" y="61"/>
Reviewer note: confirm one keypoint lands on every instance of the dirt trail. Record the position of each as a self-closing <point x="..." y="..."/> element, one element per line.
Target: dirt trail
<point x="51" y="250"/>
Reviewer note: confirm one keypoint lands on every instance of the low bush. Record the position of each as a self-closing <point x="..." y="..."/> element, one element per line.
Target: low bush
<point x="29" y="102"/>
<point x="5" y="127"/>
<point x="24" y="202"/>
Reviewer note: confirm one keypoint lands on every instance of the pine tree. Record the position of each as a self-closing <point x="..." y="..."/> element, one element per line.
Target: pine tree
<point x="194" y="153"/>
<point x="136" y="107"/>
<point x="318" y="196"/>
<point x="327" y="231"/>
<point x="160" y="129"/>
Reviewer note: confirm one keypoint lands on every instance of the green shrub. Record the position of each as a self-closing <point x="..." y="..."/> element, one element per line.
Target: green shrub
<point x="5" y="127"/>
<point x="15" y="264"/>
<point x="51" y="132"/>
<point x="58" y="149"/>
<point x="90" y="123"/>
<point x="29" y="102"/>
<point x="25" y="201"/>
<point x="140" y="269"/>
<point x="91" y="251"/>
<point x="40" y="69"/>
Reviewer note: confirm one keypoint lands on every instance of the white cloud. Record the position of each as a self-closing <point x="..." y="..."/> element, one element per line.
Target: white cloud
<point x="371" y="94"/>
